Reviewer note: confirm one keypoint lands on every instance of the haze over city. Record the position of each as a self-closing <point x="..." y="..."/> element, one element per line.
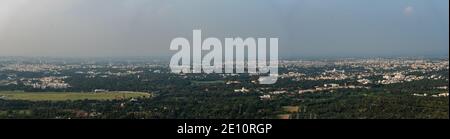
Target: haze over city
<point x="145" y="28"/>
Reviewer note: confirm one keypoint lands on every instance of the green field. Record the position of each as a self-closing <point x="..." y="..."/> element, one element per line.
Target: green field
<point x="62" y="96"/>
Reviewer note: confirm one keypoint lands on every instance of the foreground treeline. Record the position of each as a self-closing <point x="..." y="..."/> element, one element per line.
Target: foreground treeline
<point x="200" y="105"/>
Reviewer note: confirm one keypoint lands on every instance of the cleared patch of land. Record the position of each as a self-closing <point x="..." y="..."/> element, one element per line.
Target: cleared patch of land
<point x="284" y="116"/>
<point x="62" y="96"/>
<point x="208" y="82"/>
<point x="291" y="109"/>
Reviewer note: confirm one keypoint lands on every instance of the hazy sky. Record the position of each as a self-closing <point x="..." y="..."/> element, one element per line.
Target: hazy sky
<point x="146" y="27"/>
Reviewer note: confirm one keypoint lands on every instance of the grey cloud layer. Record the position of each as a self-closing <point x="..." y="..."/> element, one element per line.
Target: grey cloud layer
<point x="146" y="27"/>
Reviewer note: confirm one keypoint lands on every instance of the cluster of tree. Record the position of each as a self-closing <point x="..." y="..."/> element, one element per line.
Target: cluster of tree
<point x="166" y="105"/>
<point x="369" y="105"/>
<point x="216" y="104"/>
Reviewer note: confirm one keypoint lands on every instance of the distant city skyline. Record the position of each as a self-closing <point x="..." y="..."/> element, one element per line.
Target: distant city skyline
<point x="306" y="28"/>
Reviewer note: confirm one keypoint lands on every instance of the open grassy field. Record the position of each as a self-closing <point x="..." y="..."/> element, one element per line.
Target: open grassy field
<point x="61" y="96"/>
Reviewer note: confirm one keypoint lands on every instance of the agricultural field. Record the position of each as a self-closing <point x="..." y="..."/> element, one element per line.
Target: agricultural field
<point x="62" y="96"/>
